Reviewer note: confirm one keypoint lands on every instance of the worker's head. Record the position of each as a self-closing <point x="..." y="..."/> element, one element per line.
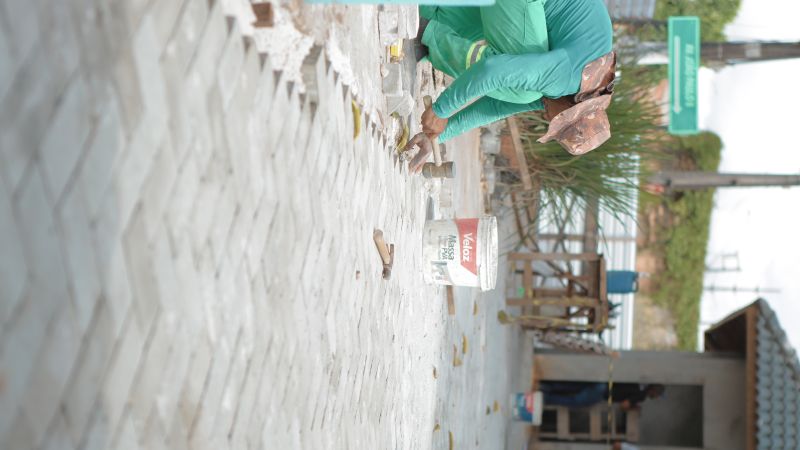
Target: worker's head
<point x="581" y="128"/>
<point x="579" y="123"/>
<point x="654" y="390"/>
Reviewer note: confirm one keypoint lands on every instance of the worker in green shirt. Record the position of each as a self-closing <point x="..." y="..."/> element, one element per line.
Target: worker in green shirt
<point x="517" y="56"/>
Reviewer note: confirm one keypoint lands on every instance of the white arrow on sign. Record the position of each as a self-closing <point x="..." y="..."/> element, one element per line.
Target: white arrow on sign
<point x="676" y="101"/>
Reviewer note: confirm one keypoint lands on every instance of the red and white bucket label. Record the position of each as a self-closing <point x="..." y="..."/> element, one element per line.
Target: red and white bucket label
<point x="468" y="238"/>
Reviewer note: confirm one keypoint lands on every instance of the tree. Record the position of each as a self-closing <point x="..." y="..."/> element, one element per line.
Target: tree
<point x="713" y="14"/>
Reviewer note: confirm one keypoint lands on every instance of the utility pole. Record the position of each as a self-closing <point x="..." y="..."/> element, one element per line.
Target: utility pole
<point x="727" y="53"/>
<point x="736" y="289"/>
<point x="691" y="180"/>
<point x="717" y="54"/>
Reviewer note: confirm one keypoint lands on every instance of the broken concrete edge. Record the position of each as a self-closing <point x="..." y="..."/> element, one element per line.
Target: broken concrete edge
<point x="316" y="66"/>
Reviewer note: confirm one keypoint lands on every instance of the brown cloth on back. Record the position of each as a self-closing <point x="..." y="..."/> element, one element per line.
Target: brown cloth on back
<point x="579" y="123"/>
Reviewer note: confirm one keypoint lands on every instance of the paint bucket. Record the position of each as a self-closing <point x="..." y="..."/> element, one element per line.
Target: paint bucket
<point x="461" y="252"/>
<point x="528" y="407"/>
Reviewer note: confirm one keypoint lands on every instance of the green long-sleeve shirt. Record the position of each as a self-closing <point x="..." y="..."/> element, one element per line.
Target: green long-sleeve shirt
<point x="578" y="31"/>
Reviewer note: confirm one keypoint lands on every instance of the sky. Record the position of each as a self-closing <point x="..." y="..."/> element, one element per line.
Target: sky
<point x="750" y="107"/>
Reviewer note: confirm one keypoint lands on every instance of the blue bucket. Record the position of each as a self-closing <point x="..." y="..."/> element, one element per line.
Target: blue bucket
<point x="527" y="407"/>
<point x="622" y="281"/>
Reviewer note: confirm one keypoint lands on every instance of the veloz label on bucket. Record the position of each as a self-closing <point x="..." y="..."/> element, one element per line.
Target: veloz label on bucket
<point x="468" y="236"/>
<point x="455" y="261"/>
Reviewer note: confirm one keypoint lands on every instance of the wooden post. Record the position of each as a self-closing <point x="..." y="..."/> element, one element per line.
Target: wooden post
<point x="527" y="279"/>
<point x="554" y="256"/>
<point x="451" y="303"/>
<point x="527" y="184"/>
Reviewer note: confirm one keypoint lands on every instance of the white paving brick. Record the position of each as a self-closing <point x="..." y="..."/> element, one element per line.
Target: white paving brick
<point x="84" y="277"/>
<point x="146" y="53"/>
<point x="7" y="61"/>
<point x="154" y="193"/>
<point x="13" y="267"/>
<point x="23" y="22"/>
<point x="80" y="394"/>
<point x="192" y="393"/>
<point x="114" y="394"/>
<point x="230" y="65"/>
<point x="58" y="435"/>
<point x="42" y="248"/>
<point x="105" y="144"/>
<point x="51" y="372"/>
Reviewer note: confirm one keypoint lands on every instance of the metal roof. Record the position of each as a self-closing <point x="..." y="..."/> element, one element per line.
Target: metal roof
<point x="631" y="9"/>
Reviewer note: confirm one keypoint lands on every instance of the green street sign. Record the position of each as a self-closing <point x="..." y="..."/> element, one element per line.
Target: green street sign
<point x="684" y="60"/>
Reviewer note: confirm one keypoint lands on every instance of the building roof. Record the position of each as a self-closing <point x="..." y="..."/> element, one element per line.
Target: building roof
<point x="777" y="386"/>
<point x="773" y="374"/>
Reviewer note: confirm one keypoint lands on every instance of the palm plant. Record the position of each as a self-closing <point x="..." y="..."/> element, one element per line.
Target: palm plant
<point x="611" y="172"/>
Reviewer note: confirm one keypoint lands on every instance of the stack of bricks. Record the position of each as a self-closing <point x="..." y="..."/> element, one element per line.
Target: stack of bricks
<point x="187" y="256"/>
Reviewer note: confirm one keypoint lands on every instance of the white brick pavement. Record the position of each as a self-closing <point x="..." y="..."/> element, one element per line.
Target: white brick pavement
<point x="187" y="256"/>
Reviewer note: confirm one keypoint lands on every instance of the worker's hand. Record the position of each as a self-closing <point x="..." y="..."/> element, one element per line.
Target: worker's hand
<point x="425" y="149"/>
<point x="432" y="125"/>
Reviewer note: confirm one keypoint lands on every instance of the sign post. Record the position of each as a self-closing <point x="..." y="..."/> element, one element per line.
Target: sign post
<point x="684" y="60"/>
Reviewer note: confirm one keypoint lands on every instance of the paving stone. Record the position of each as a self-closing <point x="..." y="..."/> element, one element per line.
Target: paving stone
<point x="42" y="248"/>
<point x="25" y="112"/>
<point x="230" y="65"/>
<point x="48" y="378"/>
<point x="159" y="181"/>
<point x="13" y="267"/>
<point x="212" y="39"/>
<point x="58" y="435"/>
<point x="165" y="13"/>
<point x="138" y="258"/>
<point x="98" y="437"/>
<point x="127" y="86"/>
<point x="182" y="196"/>
<point x="80" y="394"/>
<point x="23" y="21"/>
<point x="104" y="147"/>
<point x="84" y="275"/>
<point x="7" y="60"/>
<point x="115" y="390"/>
<point x="147" y="54"/>
<point x="192" y="391"/>
<point x="59" y="37"/>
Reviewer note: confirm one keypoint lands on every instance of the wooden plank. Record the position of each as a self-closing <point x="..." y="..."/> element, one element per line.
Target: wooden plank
<point x="524" y="175"/>
<point x="451" y="303"/>
<point x="602" y="289"/>
<point x="591" y="225"/>
<point x="551" y="301"/>
<point x="555" y="256"/>
<point x="517" y="219"/>
<point x="560" y="237"/>
<point x="527" y="278"/>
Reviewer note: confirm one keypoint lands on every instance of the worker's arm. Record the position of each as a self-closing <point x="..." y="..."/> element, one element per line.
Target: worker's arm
<point x="549" y="73"/>
<point x="483" y="112"/>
